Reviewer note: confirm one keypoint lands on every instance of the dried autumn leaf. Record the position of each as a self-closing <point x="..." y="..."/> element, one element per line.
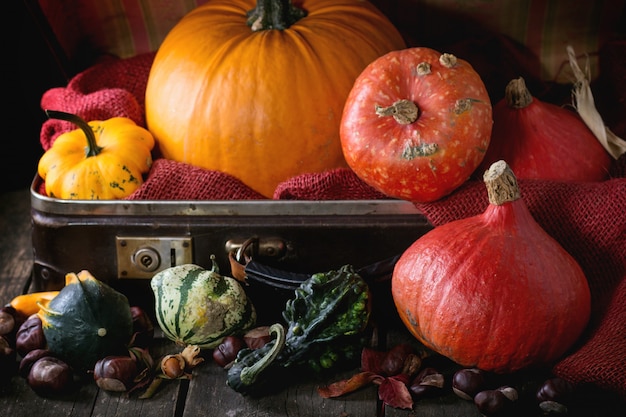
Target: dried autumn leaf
<point x="371" y="360"/>
<point x="352" y="384"/>
<point x="392" y="389"/>
<point x="393" y="392"/>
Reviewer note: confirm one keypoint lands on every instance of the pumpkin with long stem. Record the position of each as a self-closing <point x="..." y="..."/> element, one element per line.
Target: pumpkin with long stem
<point x="258" y="92"/>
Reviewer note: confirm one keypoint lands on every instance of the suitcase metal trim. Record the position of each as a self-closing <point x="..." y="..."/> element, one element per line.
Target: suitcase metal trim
<point x="119" y="241"/>
<point x="221" y="207"/>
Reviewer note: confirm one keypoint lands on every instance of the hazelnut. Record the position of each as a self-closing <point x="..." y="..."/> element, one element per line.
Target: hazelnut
<point x="173" y="366"/>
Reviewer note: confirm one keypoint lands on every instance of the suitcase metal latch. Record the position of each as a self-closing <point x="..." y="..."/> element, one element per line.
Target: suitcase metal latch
<point x="268" y="247"/>
<point x="142" y="257"/>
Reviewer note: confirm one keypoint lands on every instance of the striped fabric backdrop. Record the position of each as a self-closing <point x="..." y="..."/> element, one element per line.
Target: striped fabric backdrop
<point x="123" y="28"/>
<point x="546" y="27"/>
<point x="129" y="27"/>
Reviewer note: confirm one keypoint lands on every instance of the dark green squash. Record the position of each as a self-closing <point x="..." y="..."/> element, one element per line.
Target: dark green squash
<point x="86" y="321"/>
<point x="326" y="326"/>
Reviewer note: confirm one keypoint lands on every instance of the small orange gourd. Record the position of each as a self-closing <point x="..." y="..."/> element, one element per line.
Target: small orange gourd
<point x="258" y="92"/>
<point x="28" y="304"/>
<point x="100" y="160"/>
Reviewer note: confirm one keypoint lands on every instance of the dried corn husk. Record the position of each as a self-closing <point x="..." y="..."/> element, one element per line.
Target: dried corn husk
<point x="585" y="105"/>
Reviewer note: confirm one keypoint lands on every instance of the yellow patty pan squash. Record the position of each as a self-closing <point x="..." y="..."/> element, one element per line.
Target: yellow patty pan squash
<point x="102" y="160"/>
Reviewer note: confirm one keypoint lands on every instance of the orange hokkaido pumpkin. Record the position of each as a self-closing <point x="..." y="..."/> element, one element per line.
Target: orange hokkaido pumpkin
<point x="493" y="291"/>
<point x="416" y="124"/>
<point x="261" y="97"/>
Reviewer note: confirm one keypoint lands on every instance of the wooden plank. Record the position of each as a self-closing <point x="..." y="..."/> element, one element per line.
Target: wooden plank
<point x="15" y="244"/>
<point x="208" y="391"/>
<point x="17" y="399"/>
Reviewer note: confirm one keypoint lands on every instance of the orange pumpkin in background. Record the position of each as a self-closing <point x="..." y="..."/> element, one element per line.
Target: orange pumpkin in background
<point x="258" y="92"/>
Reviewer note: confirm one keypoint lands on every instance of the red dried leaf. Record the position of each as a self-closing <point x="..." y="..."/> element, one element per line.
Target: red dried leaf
<point x="394" y="393"/>
<point x="345" y="386"/>
<point x="371" y="360"/>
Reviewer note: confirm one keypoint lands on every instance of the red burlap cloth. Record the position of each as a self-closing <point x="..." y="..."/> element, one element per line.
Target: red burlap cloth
<point x="588" y="219"/>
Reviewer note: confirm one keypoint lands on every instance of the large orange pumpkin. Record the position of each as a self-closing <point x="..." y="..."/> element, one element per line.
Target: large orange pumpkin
<point x="261" y="98"/>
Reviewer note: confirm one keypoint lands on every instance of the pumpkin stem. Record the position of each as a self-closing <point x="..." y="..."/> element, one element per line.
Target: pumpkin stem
<point x="249" y="374"/>
<point x="501" y="183"/>
<point x="517" y="95"/>
<point x="274" y="14"/>
<point x="403" y="111"/>
<point x="92" y="146"/>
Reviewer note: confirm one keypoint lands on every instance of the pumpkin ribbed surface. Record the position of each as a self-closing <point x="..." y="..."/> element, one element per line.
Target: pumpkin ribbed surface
<point x="195" y="306"/>
<point x="101" y="160"/>
<point x="263" y="105"/>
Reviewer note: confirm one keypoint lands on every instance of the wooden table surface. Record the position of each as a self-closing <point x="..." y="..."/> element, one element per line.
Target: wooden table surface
<point x="206" y="393"/>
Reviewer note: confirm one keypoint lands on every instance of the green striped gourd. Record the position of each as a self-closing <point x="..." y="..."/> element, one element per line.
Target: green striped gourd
<point x="198" y="306"/>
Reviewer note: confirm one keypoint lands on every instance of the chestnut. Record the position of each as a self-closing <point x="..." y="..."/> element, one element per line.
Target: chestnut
<point x="466" y="383"/>
<point x="30" y="358"/>
<point x="115" y="373"/>
<point x="553" y="408"/>
<point x="50" y="376"/>
<point x="496" y="402"/>
<point x="8" y="321"/>
<point x="555" y="389"/>
<point x="554" y="395"/>
<point x="428" y="382"/>
<point x="227" y="350"/>
<point x="30" y="336"/>
<point x="257" y="337"/>
<point x="393" y="362"/>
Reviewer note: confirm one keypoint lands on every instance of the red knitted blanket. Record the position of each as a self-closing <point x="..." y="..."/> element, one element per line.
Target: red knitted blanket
<point x="588" y="219"/>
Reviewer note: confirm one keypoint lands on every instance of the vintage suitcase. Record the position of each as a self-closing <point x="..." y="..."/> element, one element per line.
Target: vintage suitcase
<point x="124" y="243"/>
